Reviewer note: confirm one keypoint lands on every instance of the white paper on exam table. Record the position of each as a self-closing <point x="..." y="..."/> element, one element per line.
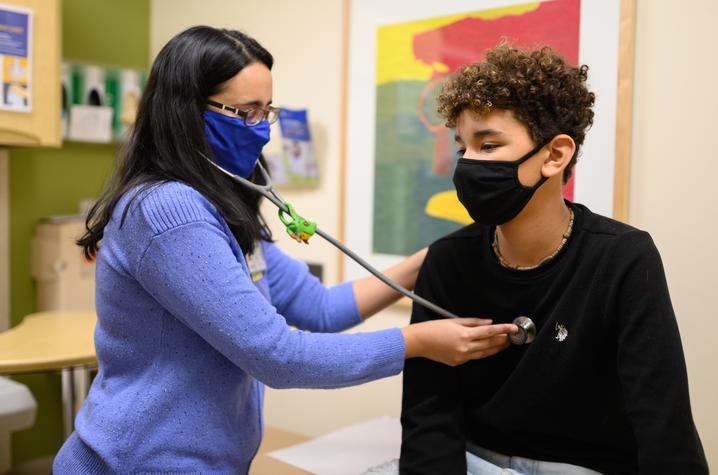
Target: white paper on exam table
<point x="349" y="451"/>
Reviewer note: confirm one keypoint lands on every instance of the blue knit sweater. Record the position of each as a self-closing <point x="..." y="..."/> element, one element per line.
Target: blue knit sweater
<point x="186" y="337"/>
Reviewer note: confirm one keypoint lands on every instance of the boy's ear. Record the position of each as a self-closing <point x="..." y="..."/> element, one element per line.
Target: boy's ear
<point x="561" y="149"/>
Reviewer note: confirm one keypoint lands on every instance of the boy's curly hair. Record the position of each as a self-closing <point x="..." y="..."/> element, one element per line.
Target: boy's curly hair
<point x="544" y="92"/>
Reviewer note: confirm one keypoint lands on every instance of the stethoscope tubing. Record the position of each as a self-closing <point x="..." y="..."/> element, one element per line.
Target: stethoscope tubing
<point x="268" y="191"/>
<point x="526" y="327"/>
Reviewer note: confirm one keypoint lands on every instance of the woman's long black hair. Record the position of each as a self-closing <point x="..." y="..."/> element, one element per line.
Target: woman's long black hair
<point x="168" y="134"/>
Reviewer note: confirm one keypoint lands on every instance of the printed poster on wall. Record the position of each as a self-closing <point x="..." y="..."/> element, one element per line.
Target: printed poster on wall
<point x="399" y="156"/>
<point x="15" y="58"/>
<point x="296" y="164"/>
<point x="414" y="153"/>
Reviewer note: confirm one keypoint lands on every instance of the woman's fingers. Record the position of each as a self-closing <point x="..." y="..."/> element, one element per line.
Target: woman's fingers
<point x="487" y="331"/>
<point x="456" y="341"/>
<point x="489" y="340"/>
<point x="491" y="345"/>
<point x="474" y="322"/>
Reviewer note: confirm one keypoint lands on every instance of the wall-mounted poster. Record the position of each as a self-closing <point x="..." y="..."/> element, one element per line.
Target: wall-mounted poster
<point x="399" y="156"/>
<point x="296" y="164"/>
<point x="16" y="58"/>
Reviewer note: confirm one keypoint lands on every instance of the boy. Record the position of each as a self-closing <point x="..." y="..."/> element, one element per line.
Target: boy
<point x="603" y="386"/>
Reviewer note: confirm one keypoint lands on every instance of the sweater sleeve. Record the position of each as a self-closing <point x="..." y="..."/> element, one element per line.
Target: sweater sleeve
<point x="433" y="439"/>
<point x="651" y="366"/>
<point x="302" y="299"/>
<point x="192" y="272"/>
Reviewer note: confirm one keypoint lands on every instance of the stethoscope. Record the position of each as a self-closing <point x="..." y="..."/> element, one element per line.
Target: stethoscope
<point x="301" y="230"/>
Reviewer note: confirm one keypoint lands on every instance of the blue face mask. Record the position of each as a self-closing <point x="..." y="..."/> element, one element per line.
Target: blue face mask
<point x="235" y="146"/>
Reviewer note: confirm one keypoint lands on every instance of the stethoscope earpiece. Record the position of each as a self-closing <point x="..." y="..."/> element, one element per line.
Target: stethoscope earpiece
<point x="526" y="332"/>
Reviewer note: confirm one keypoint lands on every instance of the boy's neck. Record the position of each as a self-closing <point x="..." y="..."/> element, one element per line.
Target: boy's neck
<point x="537" y="231"/>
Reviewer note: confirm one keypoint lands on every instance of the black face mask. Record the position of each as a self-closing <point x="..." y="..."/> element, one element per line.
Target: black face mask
<point x="490" y="190"/>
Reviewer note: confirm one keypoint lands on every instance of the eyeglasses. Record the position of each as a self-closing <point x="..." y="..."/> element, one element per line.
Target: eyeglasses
<point x="251" y="116"/>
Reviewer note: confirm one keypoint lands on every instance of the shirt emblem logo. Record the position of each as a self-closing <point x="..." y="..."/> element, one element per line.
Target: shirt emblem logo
<point x="561" y="332"/>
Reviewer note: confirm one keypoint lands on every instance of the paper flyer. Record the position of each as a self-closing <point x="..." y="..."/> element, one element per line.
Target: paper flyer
<point x="297" y="164"/>
<point x="16" y="58"/>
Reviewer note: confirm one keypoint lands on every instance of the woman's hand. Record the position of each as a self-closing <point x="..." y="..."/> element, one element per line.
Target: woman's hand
<point x="456" y="341"/>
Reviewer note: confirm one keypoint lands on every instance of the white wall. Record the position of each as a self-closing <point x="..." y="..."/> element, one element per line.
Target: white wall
<point x="674" y="171"/>
<point x="674" y="167"/>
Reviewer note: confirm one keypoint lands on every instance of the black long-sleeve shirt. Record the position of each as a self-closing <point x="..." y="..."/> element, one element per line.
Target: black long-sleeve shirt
<point x="602" y="386"/>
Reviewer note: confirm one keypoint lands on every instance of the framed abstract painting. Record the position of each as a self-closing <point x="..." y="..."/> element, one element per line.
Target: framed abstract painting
<point x="399" y="157"/>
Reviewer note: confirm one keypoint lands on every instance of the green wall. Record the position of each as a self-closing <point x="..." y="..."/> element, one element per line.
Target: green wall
<point x="52" y="181"/>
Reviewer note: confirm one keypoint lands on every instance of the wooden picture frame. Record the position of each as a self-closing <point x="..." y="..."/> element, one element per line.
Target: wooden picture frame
<point x="606" y="44"/>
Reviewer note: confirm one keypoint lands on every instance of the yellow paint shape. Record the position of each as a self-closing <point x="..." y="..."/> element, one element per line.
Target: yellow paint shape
<point x="446" y="205"/>
<point x="395" y="57"/>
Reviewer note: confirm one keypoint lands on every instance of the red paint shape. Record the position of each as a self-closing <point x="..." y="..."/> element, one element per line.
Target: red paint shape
<point x="555" y="23"/>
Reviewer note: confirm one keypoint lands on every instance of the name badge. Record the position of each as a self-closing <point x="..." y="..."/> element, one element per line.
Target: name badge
<point x="256" y="263"/>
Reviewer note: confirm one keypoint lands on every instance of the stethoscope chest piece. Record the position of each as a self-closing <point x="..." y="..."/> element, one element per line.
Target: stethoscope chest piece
<point x="526" y="333"/>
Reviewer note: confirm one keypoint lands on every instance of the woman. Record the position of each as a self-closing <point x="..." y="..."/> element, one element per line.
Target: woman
<point x="194" y="302"/>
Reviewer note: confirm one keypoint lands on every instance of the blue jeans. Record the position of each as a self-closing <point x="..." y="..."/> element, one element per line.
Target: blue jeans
<point x="481" y="461"/>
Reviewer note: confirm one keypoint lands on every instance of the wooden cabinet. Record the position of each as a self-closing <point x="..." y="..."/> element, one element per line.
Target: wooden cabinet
<point x="41" y="126"/>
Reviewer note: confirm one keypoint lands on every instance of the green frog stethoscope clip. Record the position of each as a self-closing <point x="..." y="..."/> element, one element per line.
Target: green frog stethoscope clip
<point x="301" y="230"/>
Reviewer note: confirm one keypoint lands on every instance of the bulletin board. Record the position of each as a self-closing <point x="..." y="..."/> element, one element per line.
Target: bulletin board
<point x="37" y="120"/>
